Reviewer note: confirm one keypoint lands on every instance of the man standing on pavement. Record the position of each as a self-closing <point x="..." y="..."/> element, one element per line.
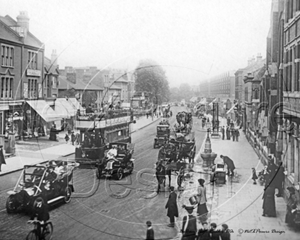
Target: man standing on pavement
<point x="189" y="224"/>
<point x="223" y="132"/>
<point x="230" y="165"/>
<point x="237" y="134"/>
<point x="172" y="207"/>
<point x="2" y="158"/>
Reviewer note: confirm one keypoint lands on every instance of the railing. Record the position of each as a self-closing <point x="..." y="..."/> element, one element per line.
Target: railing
<point x="258" y="147"/>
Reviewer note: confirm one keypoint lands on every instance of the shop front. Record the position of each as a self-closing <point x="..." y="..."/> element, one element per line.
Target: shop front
<point x="40" y="115"/>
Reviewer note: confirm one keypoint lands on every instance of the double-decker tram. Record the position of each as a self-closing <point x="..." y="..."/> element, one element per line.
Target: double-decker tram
<point x="98" y="130"/>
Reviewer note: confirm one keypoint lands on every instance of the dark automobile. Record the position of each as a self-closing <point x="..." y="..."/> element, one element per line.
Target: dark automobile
<point x="162" y="136"/>
<point x="52" y="182"/>
<point x="117" y="161"/>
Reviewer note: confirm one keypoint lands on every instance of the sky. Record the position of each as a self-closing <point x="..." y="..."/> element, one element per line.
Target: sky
<point x="193" y="40"/>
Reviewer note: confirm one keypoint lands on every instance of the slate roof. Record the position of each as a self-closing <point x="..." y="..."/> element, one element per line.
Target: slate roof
<point x="64" y="84"/>
<point x="29" y="40"/>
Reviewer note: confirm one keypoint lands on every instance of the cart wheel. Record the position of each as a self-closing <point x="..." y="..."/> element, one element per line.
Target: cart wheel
<point x="98" y="173"/>
<point x="179" y="180"/>
<point x="130" y="166"/>
<point x="119" y="174"/>
<point x="67" y="194"/>
<point x="10" y="205"/>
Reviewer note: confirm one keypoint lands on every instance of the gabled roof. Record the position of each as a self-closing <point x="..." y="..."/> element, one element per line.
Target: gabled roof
<point x="29" y="40"/>
<point x="64" y="84"/>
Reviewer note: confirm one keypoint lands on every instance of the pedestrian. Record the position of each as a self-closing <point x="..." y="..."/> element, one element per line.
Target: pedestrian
<point x="271" y="171"/>
<point x="2" y="158"/>
<point x="269" y="208"/>
<point x="214" y="233"/>
<point x="237" y="134"/>
<point x="67" y="138"/>
<point x="279" y="179"/>
<point x="223" y="132"/>
<point x="228" y="133"/>
<point x="254" y="176"/>
<point x="189" y="224"/>
<point x="202" y="208"/>
<point x="233" y="134"/>
<point x="225" y="234"/>
<point x="230" y="165"/>
<point x="172" y="207"/>
<point x="203" y="233"/>
<point x="72" y="137"/>
<point x="150" y="231"/>
<point x="291" y="206"/>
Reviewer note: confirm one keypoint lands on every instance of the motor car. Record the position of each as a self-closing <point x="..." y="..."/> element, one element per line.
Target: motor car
<point x="117" y="161"/>
<point x="38" y="181"/>
<point x="162" y="135"/>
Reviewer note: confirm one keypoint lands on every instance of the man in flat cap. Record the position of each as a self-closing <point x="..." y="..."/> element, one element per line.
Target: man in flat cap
<point x="189" y="224"/>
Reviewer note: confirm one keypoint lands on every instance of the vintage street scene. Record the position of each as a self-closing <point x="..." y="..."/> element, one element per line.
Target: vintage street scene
<point x="150" y="119"/>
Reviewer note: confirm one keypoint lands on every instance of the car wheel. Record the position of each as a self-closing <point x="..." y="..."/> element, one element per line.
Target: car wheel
<point x="130" y="166"/>
<point x="67" y="194"/>
<point x="10" y="205"/>
<point x="119" y="174"/>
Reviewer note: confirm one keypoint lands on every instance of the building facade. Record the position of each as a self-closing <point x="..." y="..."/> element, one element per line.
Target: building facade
<point x="222" y="86"/>
<point x="291" y="93"/>
<point x="21" y="72"/>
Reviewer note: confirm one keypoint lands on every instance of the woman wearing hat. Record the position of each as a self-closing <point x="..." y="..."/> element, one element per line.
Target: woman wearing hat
<point x="291" y="205"/>
<point x="202" y="209"/>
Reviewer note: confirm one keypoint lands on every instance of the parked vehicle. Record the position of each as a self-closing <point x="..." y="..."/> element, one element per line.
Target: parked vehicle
<point x="218" y="175"/>
<point x="117" y="162"/>
<point x="39" y="181"/>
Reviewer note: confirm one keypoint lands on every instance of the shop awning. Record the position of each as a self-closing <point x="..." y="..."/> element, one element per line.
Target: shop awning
<point x="44" y="110"/>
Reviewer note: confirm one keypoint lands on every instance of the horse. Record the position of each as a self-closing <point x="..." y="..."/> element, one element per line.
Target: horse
<point x="161" y="173"/>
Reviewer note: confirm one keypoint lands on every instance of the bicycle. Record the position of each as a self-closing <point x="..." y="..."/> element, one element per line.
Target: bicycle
<point x="46" y="230"/>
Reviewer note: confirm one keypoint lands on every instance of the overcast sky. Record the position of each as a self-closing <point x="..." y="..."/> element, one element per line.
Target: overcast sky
<point x="193" y="40"/>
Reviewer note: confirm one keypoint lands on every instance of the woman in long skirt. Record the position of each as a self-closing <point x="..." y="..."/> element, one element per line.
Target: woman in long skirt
<point x="202" y="209"/>
<point x="269" y="208"/>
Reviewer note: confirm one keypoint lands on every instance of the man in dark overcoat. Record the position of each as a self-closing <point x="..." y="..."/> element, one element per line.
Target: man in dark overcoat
<point x="223" y="132"/>
<point x="230" y="165"/>
<point x="2" y="158"/>
<point x="172" y="207"/>
<point x="189" y="224"/>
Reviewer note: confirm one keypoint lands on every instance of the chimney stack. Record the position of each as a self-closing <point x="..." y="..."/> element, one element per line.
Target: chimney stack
<point x="23" y="20"/>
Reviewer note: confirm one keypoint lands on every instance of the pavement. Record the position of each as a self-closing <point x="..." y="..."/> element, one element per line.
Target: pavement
<point x="41" y="150"/>
<point x="238" y="203"/>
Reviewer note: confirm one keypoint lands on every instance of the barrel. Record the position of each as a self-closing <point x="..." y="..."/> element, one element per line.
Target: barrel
<point x="193" y="200"/>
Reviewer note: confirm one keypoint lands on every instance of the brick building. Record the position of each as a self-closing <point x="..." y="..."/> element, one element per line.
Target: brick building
<point x="21" y="71"/>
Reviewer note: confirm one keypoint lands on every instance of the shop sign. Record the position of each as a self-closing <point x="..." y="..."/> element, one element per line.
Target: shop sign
<point x="31" y="72"/>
